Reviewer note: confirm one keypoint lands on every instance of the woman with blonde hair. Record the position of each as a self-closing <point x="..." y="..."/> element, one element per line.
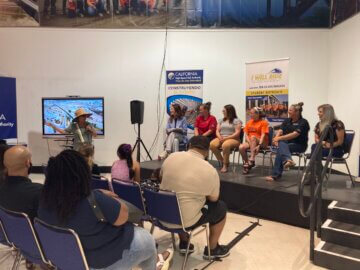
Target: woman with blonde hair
<point x="327" y="117"/>
<point x="256" y="133"/>
<point x="291" y="137"/>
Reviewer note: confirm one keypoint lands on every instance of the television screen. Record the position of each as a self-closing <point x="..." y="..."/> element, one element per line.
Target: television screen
<point x="61" y="112"/>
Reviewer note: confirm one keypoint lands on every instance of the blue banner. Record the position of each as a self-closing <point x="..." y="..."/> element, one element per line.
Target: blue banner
<point x="185" y="88"/>
<point x="8" y="126"/>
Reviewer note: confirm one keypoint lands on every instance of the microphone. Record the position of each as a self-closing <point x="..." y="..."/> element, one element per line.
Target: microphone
<point x="79" y="133"/>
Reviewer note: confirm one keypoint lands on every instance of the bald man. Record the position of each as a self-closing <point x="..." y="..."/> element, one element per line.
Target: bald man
<point x="17" y="192"/>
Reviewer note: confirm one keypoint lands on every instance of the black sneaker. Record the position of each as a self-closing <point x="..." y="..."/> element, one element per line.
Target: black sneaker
<point x="218" y="252"/>
<point x="183" y="246"/>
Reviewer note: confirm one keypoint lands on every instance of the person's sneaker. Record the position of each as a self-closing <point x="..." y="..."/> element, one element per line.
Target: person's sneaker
<point x="163" y="155"/>
<point x="101" y="15"/>
<point x="183" y="246"/>
<point x="219" y="252"/>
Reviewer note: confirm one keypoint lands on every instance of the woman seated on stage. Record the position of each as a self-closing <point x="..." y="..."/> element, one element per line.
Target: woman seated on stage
<point x="176" y="131"/>
<point x="327" y="117"/>
<point x="205" y="123"/>
<point x="292" y="137"/>
<point x="227" y="136"/>
<point x="256" y="133"/>
<point x="125" y="168"/>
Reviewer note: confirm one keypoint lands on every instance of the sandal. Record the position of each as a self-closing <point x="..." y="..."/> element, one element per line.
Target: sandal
<point x="165" y="264"/>
<point x="251" y="164"/>
<point x="246" y="168"/>
<point x="289" y="164"/>
<point x="271" y="178"/>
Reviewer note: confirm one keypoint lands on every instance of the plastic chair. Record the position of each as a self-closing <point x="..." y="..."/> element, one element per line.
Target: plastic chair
<point x="164" y="206"/>
<point x="130" y="192"/>
<point x="62" y="247"/>
<point x="100" y="183"/>
<point x="21" y="235"/>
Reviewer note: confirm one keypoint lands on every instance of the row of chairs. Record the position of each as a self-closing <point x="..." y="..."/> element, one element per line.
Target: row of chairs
<point x="61" y="248"/>
<point x="302" y="156"/>
<point x="151" y="202"/>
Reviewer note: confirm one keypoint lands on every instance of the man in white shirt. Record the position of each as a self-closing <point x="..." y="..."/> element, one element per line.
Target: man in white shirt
<point x="197" y="185"/>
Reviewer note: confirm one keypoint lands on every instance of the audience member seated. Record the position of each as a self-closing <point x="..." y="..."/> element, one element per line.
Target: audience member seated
<point x="227" y="136"/>
<point x="292" y="137"/>
<point x="125" y="168"/>
<point x="197" y="185"/>
<point x="327" y="117"/>
<point x="3" y="148"/>
<point x="205" y="123"/>
<point x="176" y="131"/>
<point x="67" y="201"/>
<point x="17" y="192"/>
<point x="87" y="151"/>
<point x="256" y="136"/>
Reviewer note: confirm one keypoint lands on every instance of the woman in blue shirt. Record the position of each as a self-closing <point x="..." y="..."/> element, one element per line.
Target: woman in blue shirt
<point x="176" y="131"/>
<point x="67" y="201"/>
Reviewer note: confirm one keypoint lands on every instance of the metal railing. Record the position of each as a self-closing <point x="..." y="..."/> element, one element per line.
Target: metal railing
<point x="314" y="174"/>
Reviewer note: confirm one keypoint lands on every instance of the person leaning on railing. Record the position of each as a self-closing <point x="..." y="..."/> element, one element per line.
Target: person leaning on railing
<point x="327" y="117"/>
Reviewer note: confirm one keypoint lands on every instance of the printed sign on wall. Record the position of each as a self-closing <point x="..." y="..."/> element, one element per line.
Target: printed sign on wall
<point x="267" y="87"/>
<point x="8" y="127"/>
<point x="185" y="87"/>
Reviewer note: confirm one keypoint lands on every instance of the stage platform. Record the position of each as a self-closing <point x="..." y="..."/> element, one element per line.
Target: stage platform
<point x="277" y="201"/>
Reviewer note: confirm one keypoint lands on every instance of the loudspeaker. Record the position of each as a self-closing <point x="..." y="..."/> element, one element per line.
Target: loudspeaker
<point x="137" y="111"/>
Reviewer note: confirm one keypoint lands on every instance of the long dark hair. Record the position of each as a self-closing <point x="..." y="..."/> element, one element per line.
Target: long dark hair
<point x="124" y="152"/>
<point x="67" y="182"/>
<point x="178" y="111"/>
<point x="230" y="113"/>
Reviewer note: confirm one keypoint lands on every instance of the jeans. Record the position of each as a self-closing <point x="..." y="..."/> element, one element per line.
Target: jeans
<point x="142" y="253"/>
<point x="99" y="9"/>
<point x="338" y="152"/>
<point x="173" y="141"/>
<point x="283" y="154"/>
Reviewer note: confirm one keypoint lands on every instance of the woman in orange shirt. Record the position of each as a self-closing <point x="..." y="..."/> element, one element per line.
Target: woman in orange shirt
<point x="256" y="136"/>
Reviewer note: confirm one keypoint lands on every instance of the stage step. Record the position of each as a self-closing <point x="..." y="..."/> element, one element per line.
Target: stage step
<point x="341" y="233"/>
<point x="344" y="212"/>
<point x="336" y="257"/>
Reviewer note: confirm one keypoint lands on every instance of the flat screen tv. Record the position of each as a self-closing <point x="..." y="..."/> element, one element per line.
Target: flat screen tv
<point x="60" y="111"/>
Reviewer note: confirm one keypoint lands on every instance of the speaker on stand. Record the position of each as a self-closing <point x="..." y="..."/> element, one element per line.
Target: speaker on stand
<point x="137" y="117"/>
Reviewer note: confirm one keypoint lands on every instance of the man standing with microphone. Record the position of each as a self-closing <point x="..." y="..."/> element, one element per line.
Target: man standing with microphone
<point x="82" y="130"/>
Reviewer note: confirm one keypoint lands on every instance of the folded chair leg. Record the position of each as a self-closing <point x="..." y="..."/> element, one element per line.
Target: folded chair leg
<point x="187" y="252"/>
<point x="152" y="228"/>
<point x="351" y="178"/>
<point x="17" y="261"/>
<point x="208" y="240"/>
<point x="173" y="240"/>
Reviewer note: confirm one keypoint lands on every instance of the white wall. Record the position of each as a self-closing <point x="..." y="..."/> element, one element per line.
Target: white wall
<point x="124" y="65"/>
<point x="344" y="80"/>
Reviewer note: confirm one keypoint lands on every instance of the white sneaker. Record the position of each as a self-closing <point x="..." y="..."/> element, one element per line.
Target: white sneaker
<point x="163" y="155"/>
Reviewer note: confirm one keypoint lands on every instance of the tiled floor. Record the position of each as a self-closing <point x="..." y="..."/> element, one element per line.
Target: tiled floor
<point x="269" y="246"/>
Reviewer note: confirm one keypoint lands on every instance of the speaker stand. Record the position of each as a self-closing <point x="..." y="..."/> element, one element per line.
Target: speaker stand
<point x="138" y="144"/>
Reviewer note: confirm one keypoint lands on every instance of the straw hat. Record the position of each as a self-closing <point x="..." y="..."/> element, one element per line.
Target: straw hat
<point x="79" y="112"/>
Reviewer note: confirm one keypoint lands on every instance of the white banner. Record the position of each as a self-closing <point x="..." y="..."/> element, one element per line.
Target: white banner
<point x="267" y="87"/>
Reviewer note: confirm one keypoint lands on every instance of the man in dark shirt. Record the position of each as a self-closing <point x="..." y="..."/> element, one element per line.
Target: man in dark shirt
<point x="292" y="137"/>
<point x="17" y="192"/>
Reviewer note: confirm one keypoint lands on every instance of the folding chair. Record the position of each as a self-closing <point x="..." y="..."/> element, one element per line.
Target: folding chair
<point x="100" y="183"/>
<point x="130" y="192"/>
<point x="21" y="235"/>
<point x="62" y="247"/>
<point x="5" y="241"/>
<point x="163" y="206"/>
<point x="348" y="142"/>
